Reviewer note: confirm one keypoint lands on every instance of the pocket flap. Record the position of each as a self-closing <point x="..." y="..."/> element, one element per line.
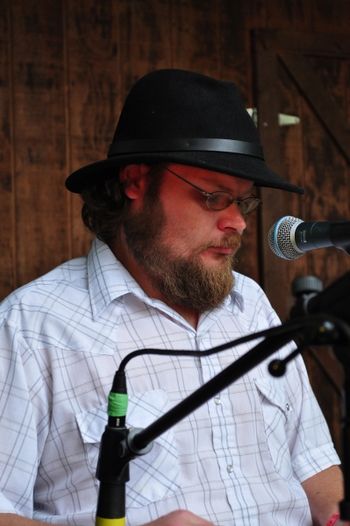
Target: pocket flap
<point x="152" y="476"/>
<point x="143" y="410"/>
<point x="276" y="397"/>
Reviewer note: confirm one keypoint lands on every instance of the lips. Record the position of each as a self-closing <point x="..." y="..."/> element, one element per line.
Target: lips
<point x="225" y="247"/>
<point x="226" y="251"/>
<point x="230" y="244"/>
<point x="228" y="248"/>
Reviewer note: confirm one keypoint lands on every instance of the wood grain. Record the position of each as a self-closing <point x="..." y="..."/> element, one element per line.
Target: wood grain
<point x="39" y="131"/>
<point x="313" y="153"/>
<point x="7" y="237"/>
<point x="92" y="78"/>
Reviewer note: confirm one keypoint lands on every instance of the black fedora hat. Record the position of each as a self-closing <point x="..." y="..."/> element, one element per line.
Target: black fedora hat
<point x="178" y="116"/>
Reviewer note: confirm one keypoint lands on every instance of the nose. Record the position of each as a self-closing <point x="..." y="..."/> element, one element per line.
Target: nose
<point x="231" y="218"/>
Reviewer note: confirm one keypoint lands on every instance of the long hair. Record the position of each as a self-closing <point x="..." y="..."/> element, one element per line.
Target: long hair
<point x="106" y="206"/>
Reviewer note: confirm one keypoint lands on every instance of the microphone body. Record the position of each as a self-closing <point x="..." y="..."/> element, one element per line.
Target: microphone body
<point x="290" y="237"/>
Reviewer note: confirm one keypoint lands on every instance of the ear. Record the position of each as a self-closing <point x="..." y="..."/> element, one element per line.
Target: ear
<point x="134" y="180"/>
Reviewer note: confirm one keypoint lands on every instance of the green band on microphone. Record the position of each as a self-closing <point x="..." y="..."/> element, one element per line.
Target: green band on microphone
<point x="117" y="404"/>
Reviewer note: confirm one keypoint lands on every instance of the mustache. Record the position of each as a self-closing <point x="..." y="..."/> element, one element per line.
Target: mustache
<point x="232" y="241"/>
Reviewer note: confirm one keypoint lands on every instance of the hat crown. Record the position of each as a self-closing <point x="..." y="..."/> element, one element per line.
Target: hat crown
<point x="174" y="103"/>
<point x="178" y="116"/>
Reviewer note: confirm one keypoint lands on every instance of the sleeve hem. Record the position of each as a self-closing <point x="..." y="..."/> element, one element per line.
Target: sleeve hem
<point x="315" y="460"/>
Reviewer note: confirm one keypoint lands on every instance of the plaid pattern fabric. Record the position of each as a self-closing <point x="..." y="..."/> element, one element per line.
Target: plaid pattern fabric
<point x="238" y="459"/>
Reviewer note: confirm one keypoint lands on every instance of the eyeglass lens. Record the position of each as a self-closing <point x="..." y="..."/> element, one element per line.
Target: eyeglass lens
<point x="221" y="200"/>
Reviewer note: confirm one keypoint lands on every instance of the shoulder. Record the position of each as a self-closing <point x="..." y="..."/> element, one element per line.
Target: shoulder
<point x="37" y="294"/>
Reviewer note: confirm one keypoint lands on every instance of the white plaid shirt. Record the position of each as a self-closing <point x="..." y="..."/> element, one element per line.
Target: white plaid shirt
<point x="239" y="459"/>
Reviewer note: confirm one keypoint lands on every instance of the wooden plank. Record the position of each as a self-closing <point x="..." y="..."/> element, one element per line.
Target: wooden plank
<point x="234" y="46"/>
<point x="195" y="35"/>
<point x="92" y="73"/>
<point x="311" y="190"/>
<point x="326" y="376"/>
<point x="286" y="15"/>
<point x="274" y="271"/>
<point x="314" y="90"/>
<point x="335" y="44"/>
<point x="7" y="256"/>
<point x="291" y="148"/>
<point x="324" y="172"/>
<point x="39" y="123"/>
<point x="328" y="15"/>
<point x="310" y="154"/>
<point x="144" y="34"/>
<point x="327" y="176"/>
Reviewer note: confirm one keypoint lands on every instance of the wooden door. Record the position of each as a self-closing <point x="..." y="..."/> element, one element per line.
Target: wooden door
<point x="306" y="76"/>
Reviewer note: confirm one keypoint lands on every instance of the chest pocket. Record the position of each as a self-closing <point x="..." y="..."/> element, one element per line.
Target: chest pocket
<point x="279" y="424"/>
<point x="153" y="476"/>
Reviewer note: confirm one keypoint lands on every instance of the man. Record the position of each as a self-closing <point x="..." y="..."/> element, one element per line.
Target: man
<point x="169" y="208"/>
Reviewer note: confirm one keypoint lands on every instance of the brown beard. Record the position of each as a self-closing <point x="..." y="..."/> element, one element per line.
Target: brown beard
<point x="185" y="282"/>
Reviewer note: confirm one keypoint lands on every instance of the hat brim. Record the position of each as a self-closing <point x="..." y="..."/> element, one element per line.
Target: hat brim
<point x="246" y="167"/>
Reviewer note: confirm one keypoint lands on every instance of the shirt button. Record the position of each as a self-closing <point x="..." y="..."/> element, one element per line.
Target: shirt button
<point x="229" y="468"/>
<point x="217" y="400"/>
<point x="287" y="407"/>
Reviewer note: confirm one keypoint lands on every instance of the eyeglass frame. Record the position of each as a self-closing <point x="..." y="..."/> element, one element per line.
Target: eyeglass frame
<point x="208" y="195"/>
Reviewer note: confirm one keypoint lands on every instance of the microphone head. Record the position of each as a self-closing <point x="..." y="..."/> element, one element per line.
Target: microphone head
<point x="281" y="238"/>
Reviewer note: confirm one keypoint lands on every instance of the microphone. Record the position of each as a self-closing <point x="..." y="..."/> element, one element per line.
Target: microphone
<point x="290" y="237"/>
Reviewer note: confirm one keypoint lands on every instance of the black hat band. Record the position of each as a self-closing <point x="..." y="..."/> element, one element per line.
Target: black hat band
<point x="191" y="144"/>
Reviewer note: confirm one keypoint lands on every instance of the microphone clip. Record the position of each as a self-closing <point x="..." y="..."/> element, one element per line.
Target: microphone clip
<point x="113" y="461"/>
<point x="116" y="450"/>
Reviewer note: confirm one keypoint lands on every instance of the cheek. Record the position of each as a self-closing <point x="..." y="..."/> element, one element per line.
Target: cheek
<point x="187" y="226"/>
<point x="175" y="234"/>
<point x="186" y="234"/>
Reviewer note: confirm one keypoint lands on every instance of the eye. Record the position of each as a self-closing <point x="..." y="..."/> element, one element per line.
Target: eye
<point x="248" y="204"/>
<point x="219" y="200"/>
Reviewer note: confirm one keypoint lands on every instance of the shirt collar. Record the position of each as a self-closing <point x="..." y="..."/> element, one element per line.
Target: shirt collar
<point x="109" y="280"/>
<point x="236" y="298"/>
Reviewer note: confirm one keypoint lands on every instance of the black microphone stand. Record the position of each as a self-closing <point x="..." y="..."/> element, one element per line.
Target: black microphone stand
<point x="334" y="299"/>
<point x="343" y="355"/>
<point x="119" y="445"/>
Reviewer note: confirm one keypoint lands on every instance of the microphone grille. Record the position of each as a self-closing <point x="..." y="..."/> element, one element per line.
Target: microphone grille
<point x="281" y="236"/>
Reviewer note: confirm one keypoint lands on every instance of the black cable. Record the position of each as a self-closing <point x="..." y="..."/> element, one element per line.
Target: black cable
<point x="292" y="325"/>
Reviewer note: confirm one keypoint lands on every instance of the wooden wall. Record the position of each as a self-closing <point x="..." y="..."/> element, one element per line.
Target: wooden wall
<point x="65" y="68"/>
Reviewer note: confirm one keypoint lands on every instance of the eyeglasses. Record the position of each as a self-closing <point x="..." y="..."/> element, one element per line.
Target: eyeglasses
<point x="220" y="200"/>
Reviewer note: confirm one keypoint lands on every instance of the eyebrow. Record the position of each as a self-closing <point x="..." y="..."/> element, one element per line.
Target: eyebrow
<point x="220" y="187"/>
<point x="247" y="193"/>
